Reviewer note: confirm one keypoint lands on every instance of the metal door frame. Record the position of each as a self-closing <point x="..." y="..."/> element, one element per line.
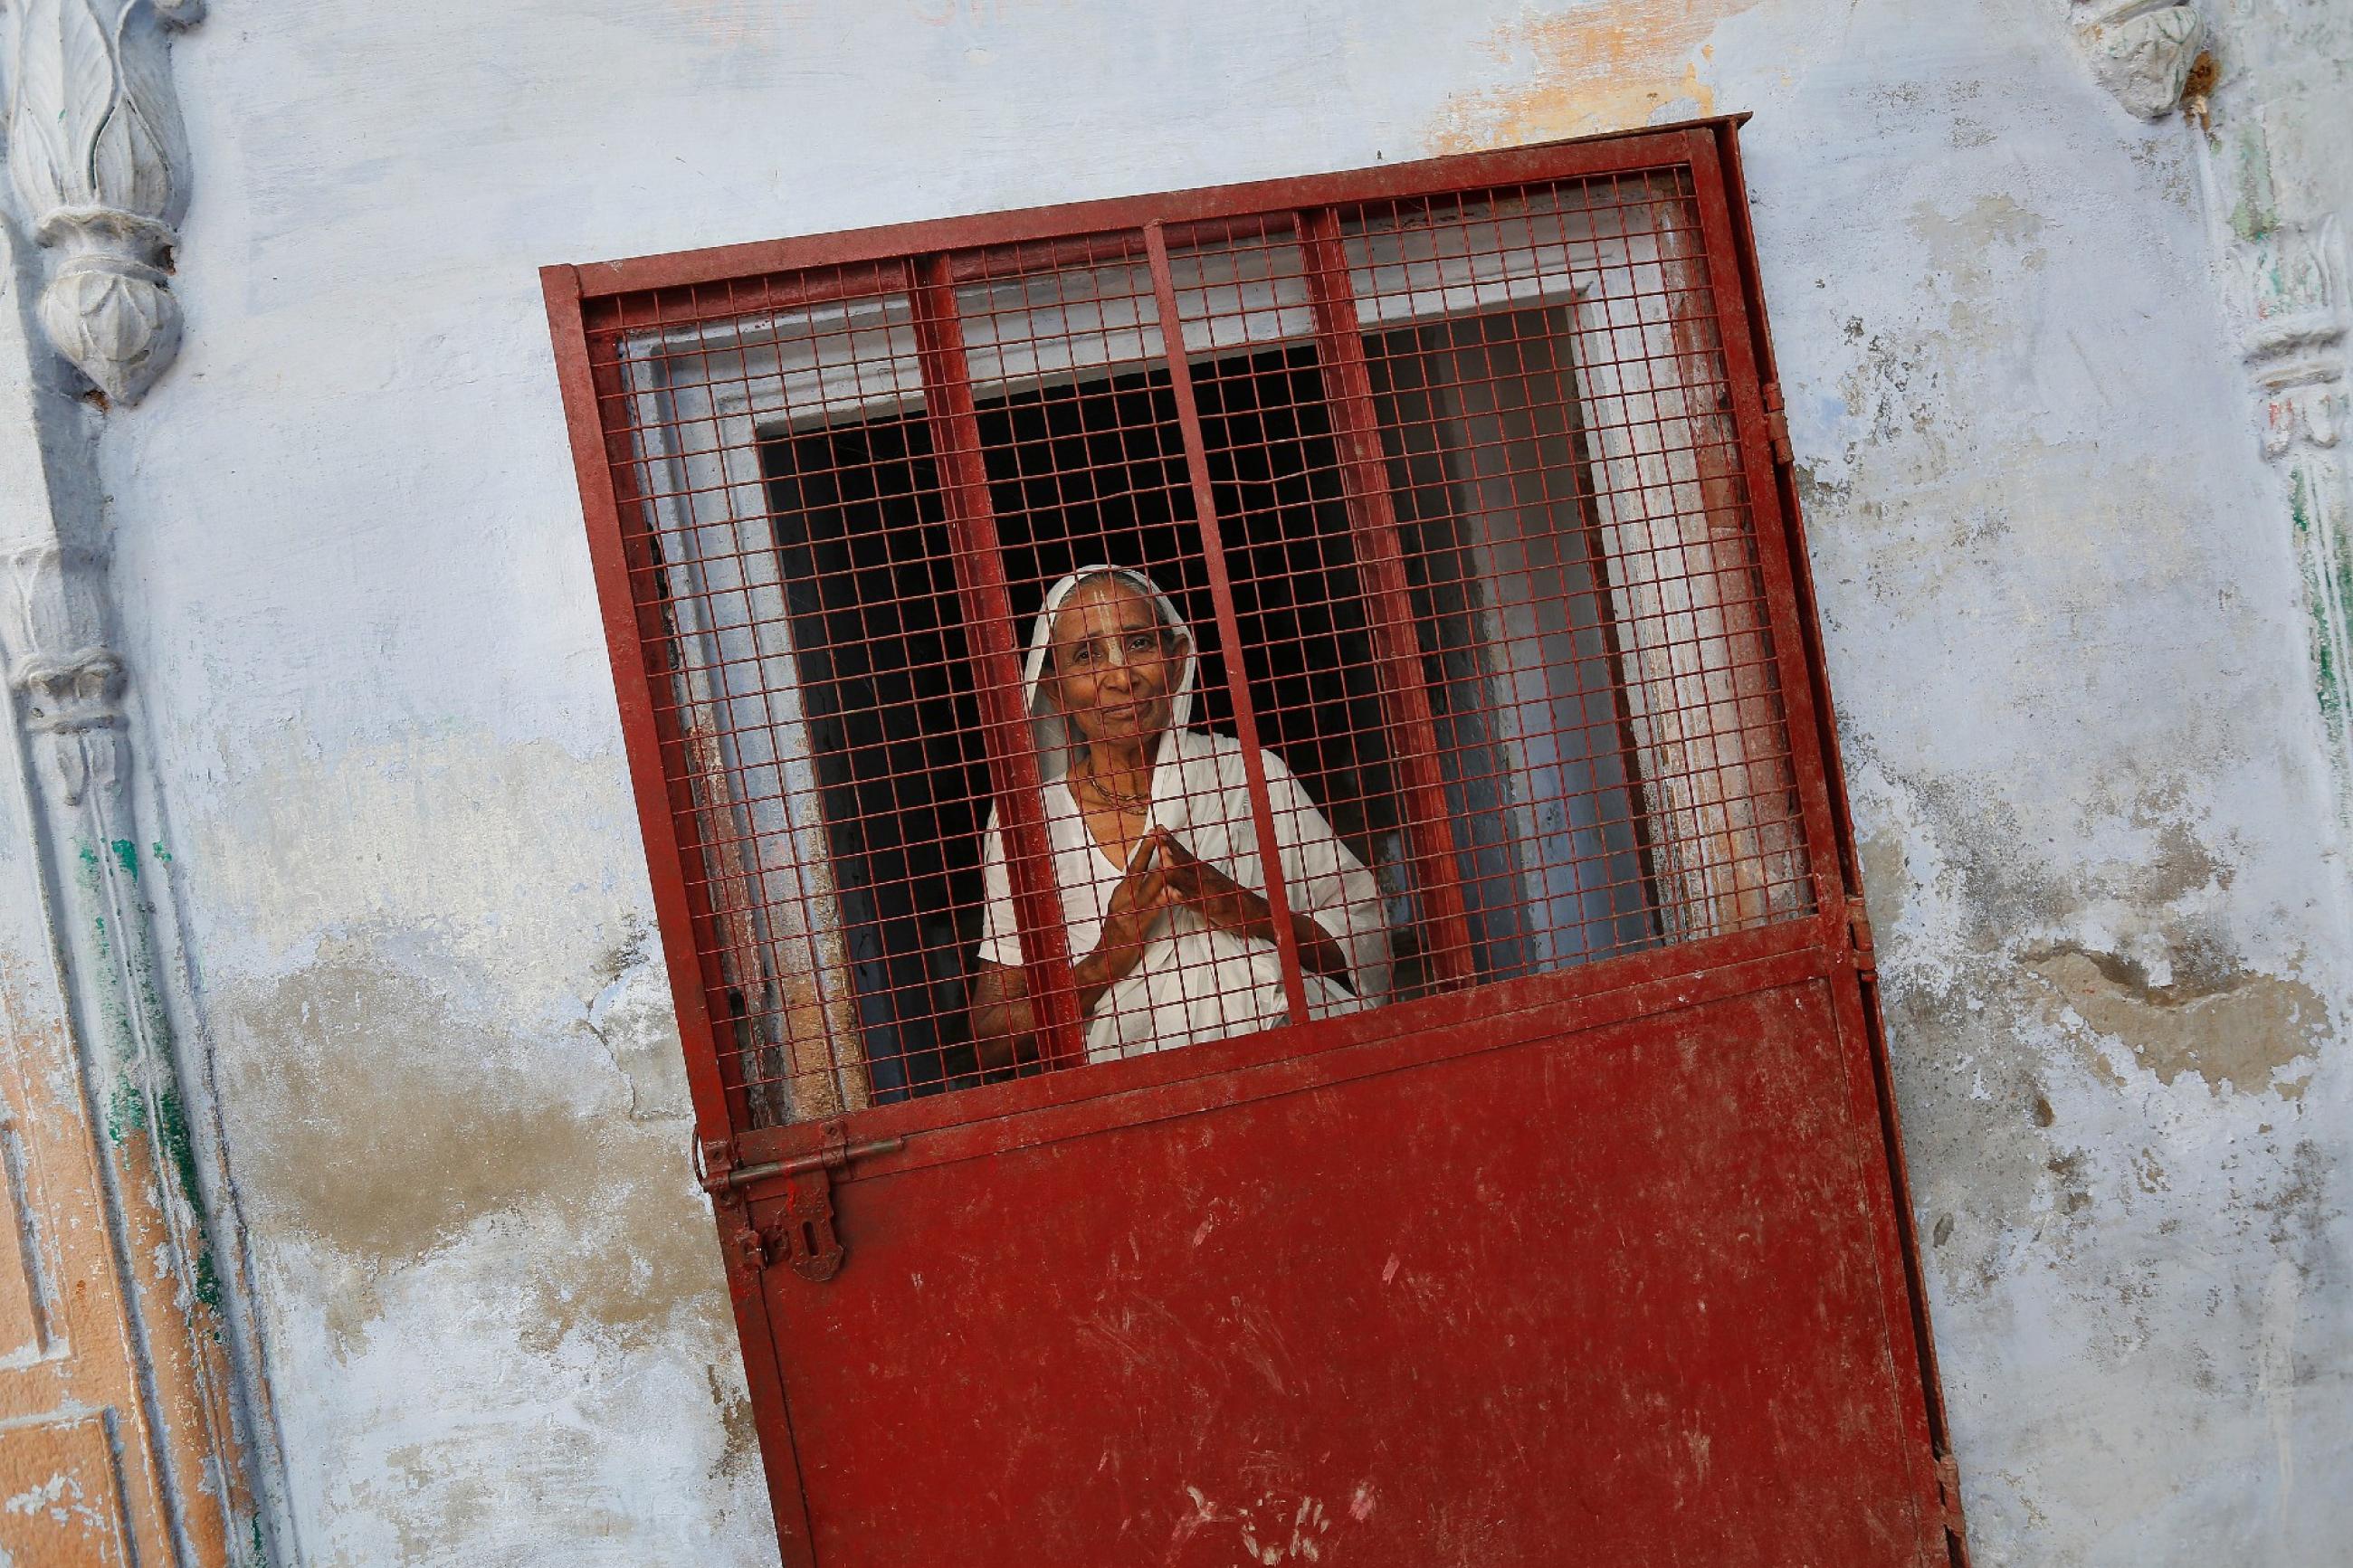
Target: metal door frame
<point x="741" y="1166"/>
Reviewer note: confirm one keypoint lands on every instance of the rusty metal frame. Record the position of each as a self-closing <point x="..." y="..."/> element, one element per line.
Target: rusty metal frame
<point x="1805" y="691"/>
<point x="1372" y="521"/>
<point x="591" y="306"/>
<point x="1229" y="636"/>
<point x="980" y="580"/>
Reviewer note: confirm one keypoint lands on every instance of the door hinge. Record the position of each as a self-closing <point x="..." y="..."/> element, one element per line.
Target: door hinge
<point x="1776" y="425"/>
<point x="1949" y="1495"/>
<point x="800" y="1232"/>
<point x="1859" y="942"/>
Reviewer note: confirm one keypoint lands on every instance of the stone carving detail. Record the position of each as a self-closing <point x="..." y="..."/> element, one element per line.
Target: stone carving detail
<point x="2142" y="50"/>
<point x="2292" y="289"/>
<point x="70" y="685"/>
<point x="2287" y="276"/>
<point x="100" y="164"/>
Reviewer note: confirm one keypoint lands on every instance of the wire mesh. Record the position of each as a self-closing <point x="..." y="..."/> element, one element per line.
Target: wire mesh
<point x="1073" y="649"/>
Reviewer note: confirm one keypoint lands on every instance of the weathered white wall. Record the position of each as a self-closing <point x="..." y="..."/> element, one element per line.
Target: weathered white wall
<point x="2060" y="611"/>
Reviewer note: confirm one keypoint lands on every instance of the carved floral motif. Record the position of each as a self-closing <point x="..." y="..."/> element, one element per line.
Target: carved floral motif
<point x="2142" y="50"/>
<point x="99" y="161"/>
<point x="68" y="683"/>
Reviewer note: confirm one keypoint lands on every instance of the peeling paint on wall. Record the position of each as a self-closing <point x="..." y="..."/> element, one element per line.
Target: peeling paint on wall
<point x="463" y="1114"/>
<point x="1591" y="68"/>
<point x="2249" y="1032"/>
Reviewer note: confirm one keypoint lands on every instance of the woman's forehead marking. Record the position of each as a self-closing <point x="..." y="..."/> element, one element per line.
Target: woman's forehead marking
<point x="1102" y="604"/>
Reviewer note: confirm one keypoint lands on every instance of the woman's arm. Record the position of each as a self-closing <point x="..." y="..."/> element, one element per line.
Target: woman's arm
<point x="1329" y="887"/>
<point x="1135" y="904"/>
<point x="1318" y="949"/>
<point x="1004" y="1024"/>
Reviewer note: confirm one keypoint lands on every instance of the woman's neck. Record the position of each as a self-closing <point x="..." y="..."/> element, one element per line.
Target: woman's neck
<point x="1121" y="770"/>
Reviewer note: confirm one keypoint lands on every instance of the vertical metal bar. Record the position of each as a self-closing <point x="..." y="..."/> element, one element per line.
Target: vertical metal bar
<point x="1372" y="521"/>
<point x="955" y="424"/>
<point x="1610" y="617"/>
<point x="637" y="637"/>
<point x="1736" y="342"/>
<point x="601" y="459"/>
<point x="1221" y="595"/>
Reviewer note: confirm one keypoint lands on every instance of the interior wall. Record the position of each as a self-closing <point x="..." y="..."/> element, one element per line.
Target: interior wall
<point x="2059" y="595"/>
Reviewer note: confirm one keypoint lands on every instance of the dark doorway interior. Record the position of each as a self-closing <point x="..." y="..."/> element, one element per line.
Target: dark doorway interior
<point x="1085" y="472"/>
<point x="1095" y="471"/>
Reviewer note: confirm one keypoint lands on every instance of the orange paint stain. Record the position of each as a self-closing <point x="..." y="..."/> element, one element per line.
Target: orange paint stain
<point x="1602" y="67"/>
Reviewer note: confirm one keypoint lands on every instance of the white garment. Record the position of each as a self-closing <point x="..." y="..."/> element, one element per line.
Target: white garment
<point x="1195" y="982"/>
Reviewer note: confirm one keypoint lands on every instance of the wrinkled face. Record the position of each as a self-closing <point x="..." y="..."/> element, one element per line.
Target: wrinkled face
<point x="1115" y="665"/>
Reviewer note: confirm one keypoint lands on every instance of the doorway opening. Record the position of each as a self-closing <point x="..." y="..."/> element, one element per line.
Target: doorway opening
<point x="1511" y="601"/>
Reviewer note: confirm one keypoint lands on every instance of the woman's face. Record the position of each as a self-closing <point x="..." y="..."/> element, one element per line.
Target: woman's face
<point x="1115" y="664"/>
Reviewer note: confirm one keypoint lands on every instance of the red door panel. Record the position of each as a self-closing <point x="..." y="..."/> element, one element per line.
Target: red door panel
<point x="1608" y="1297"/>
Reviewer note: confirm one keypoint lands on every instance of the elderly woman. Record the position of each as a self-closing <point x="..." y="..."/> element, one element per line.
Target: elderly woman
<point x="1155" y="851"/>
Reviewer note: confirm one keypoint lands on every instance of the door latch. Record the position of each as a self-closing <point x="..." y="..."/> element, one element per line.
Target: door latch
<point x="800" y="1232"/>
<point x="801" y="1235"/>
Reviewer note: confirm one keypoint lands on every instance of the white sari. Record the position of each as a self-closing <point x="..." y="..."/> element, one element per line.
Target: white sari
<point x="1195" y="982"/>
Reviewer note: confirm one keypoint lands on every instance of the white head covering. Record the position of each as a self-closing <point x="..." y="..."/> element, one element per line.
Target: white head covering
<point x="1057" y="738"/>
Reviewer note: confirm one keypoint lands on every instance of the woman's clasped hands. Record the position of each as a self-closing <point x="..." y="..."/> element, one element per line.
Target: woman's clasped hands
<point x="1162" y="874"/>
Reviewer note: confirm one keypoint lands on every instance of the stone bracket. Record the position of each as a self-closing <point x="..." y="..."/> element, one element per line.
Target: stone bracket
<point x="100" y="164"/>
<point x="2142" y="51"/>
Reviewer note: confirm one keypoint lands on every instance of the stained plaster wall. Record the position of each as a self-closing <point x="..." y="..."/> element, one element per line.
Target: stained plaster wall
<point x="2059" y="603"/>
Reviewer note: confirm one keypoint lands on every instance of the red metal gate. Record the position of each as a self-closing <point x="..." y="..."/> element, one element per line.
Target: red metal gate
<point x="1559" y="1217"/>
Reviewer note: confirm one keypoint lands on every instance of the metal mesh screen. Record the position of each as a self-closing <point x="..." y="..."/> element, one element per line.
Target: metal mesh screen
<point x="1436" y="654"/>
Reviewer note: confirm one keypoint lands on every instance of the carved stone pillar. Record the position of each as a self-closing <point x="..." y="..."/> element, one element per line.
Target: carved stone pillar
<point x="2284" y="276"/>
<point x="2290" y="295"/>
<point x="68" y="684"/>
<point x="156" y="1410"/>
<point x="2281" y="255"/>
<point x="100" y="164"/>
<point x="2290" y="280"/>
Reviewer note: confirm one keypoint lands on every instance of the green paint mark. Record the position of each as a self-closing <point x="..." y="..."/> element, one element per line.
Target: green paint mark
<point x="2328" y="590"/>
<point x="2256" y="211"/>
<point x="129" y="1112"/>
<point x="180" y="1149"/>
<point x="126" y="1116"/>
<point x="157" y="1025"/>
<point x="208" y="1288"/>
<point x="126" y="1113"/>
<point x="2344" y="570"/>
<point x="164" y="856"/>
<point x="177" y="1148"/>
